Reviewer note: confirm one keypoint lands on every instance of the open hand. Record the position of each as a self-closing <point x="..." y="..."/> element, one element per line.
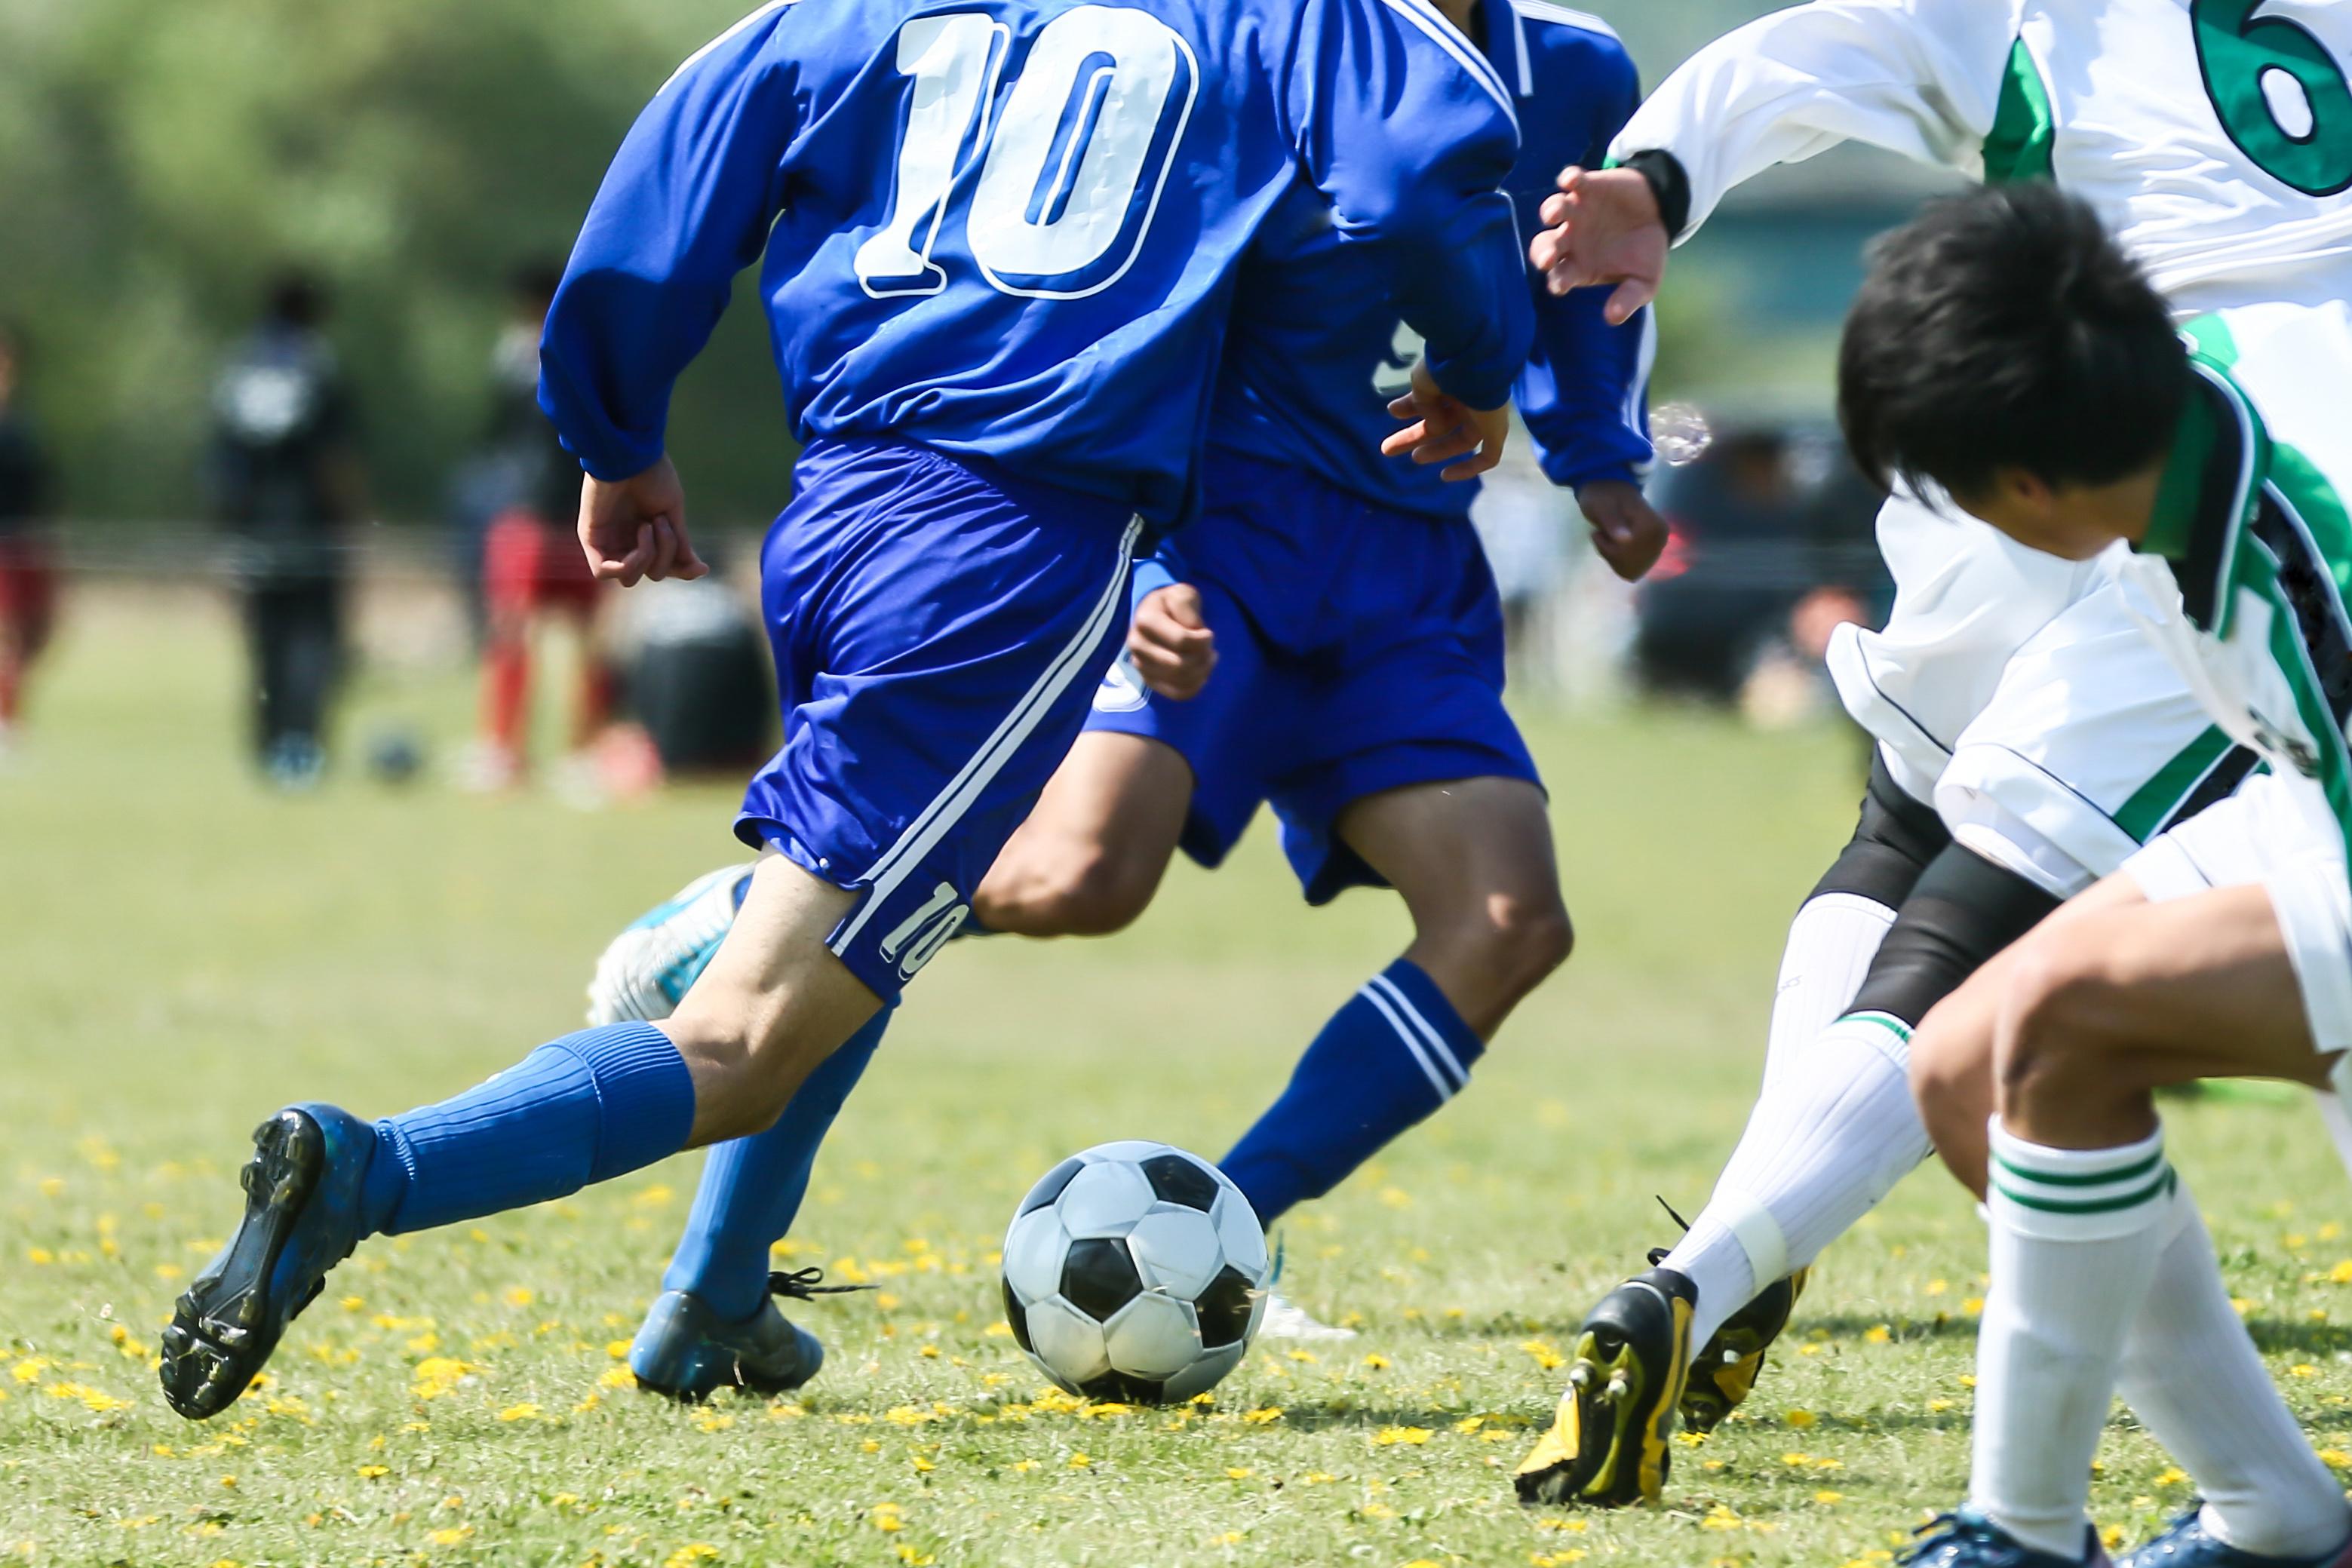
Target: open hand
<point x="1443" y="428"/>
<point x="1170" y="643"/>
<point x="1626" y="529"/>
<point x="635" y="529"/>
<point x="1603" y="228"/>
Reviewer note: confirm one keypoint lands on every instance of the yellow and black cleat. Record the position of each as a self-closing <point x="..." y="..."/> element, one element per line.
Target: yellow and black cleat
<point x="1724" y="1372"/>
<point x="1609" y="1445"/>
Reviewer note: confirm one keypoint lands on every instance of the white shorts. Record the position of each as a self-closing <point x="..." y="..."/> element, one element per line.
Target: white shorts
<point x="2011" y="690"/>
<point x="2265" y="836"/>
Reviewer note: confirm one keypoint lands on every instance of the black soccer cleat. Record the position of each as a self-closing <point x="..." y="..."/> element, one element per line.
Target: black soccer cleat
<point x="1724" y="1372"/>
<point x="1608" y="1445"/>
<point x="301" y="1219"/>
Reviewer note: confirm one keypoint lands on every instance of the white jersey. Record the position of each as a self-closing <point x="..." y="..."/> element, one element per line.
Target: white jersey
<point x="2245" y="574"/>
<point x="2214" y="137"/>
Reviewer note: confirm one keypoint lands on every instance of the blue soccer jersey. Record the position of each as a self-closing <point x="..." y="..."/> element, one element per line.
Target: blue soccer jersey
<point x="1010" y="229"/>
<point x="1318" y="348"/>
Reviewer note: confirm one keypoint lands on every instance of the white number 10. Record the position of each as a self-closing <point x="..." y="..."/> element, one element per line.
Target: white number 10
<point x="1061" y="207"/>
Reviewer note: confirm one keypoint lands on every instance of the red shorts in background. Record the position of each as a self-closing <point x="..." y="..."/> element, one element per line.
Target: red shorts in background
<point x="529" y="565"/>
<point x="28" y="586"/>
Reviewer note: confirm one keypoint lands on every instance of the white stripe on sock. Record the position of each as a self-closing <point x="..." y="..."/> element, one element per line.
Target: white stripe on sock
<point x="1404" y="1033"/>
<point x="1439" y="1049"/>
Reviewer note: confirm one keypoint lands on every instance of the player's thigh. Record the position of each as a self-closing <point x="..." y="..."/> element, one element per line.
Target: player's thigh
<point x="1098" y="842"/>
<point x="2139" y="996"/>
<point x="1953" y="1050"/>
<point x="1475" y="851"/>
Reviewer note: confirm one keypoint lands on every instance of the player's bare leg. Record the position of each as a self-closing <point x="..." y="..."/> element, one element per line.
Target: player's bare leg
<point x="1472" y="860"/>
<point x="1091" y="855"/>
<point x="2103" y="1275"/>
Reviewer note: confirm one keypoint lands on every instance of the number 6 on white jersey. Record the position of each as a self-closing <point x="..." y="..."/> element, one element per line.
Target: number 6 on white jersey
<point x="1060" y="209"/>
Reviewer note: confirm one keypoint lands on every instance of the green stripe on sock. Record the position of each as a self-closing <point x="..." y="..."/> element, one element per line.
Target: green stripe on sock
<point x="2159" y="1187"/>
<point x="2103" y="1178"/>
<point x="1888" y="1021"/>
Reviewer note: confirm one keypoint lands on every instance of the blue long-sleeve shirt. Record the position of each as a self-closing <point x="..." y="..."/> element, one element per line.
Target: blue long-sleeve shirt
<point x="1013" y="230"/>
<point x="1319" y="344"/>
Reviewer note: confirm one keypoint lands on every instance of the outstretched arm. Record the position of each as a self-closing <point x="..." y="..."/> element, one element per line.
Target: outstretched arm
<point x="1922" y="78"/>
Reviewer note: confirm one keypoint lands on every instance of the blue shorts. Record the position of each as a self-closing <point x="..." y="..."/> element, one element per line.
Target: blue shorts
<point x="938" y="625"/>
<point x="1359" y="649"/>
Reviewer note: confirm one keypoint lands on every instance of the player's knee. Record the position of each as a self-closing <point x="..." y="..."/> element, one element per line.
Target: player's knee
<point x="1077" y="889"/>
<point x="1949" y="1076"/>
<point x="1522" y="937"/>
<point x="2056" y="1039"/>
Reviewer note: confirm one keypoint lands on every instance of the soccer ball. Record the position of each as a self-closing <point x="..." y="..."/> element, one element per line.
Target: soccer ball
<point x="1135" y="1273"/>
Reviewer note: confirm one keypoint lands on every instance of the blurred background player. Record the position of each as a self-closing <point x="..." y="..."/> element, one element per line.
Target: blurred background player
<point x="1356" y="639"/>
<point x="989" y="425"/>
<point x="2216" y="145"/>
<point x="27" y="574"/>
<point x="2072" y="416"/>
<point x="531" y="568"/>
<point x="286" y="480"/>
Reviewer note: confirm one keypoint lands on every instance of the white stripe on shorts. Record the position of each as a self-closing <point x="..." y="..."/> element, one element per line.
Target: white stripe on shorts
<point x="948" y="807"/>
<point x="1404" y="1032"/>
<point x="1438" y="1050"/>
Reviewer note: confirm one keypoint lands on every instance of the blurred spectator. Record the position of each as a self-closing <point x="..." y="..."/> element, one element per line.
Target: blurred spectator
<point x="27" y="578"/>
<point x="1771" y="539"/>
<point x="285" y="477"/>
<point x="526" y="487"/>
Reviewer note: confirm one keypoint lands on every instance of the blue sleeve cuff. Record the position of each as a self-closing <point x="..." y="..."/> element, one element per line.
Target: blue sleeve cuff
<point x="1152" y="574"/>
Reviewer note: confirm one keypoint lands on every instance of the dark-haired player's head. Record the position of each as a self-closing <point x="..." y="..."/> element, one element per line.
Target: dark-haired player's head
<point x="296" y="299"/>
<point x="2005" y="348"/>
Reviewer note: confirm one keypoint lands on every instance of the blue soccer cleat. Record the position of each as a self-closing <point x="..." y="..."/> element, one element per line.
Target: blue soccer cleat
<point x="687" y="1351"/>
<point x="2186" y="1543"/>
<point x="1968" y="1540"/>
<point x="301" y="1219"/>
<point x="648" y="969"/>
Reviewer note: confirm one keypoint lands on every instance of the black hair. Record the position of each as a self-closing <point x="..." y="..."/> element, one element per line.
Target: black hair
<point x="297" y="299"/>
<point x="2005" y="328"/>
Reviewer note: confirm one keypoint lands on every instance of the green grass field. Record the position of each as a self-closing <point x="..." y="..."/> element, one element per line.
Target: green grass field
<point x="180" y="953"/>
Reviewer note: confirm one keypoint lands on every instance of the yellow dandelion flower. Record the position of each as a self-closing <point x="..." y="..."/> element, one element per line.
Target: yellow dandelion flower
<point x="1880" y="1334"/>
<point x="1080" y="1462"/>
<point x="693" y="1551"/>
<point x="1023" y="1467"/>
<point x="1376" y="1362"/>
<point x="370" y="1472"/>
<point x="1469" y="1424"/>
<point x="1389" y="1435"/>
<point x="520" y="1413"/>
<point x="1306" y="1356"/>
<point x="1829" y="1499"/>
<point x="617" y="1377"/>
<point x="1264" y="1416"/>
<point x="1238" y="1472"/>
<point x="1800" y="1419"/>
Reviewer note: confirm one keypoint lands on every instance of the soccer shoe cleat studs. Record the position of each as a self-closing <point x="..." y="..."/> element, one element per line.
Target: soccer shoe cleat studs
<point x="2186" y="1543"/>
<point x="1724" y="1372"/>
<point x="1608" y="1445"/>
<point x="687" y="1351"/>
<point x="1967" y="1539"/>
<point x="301" y="1219"/>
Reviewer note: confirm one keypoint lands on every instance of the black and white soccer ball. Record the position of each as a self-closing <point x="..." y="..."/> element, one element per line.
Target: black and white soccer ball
<point x="1135" y="1273"/>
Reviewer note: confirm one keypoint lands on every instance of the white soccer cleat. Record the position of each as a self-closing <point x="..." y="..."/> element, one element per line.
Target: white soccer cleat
<point x="645" y="972"/>
<point x="1286" y="1319"/>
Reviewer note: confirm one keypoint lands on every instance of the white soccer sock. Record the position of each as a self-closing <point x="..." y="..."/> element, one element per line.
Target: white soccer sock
<point x="1831" y="944"/>
<point x="2191" y="1374"/>
<point x="1822" y="1146"/>
<point x="2075" y="1237"/>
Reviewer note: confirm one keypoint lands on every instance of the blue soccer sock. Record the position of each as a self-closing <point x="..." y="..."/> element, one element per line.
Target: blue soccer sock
<point x="753" y="1187"/>
<point x="1397" y="1051"/>
<point x="587" y="1108"/>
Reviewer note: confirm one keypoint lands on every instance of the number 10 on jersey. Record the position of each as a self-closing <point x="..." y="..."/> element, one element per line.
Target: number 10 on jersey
<point x="1071" y="169"/>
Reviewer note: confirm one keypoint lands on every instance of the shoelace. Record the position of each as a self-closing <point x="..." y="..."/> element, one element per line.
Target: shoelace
<point x="807" y="1285"/>
<point x="1660" y="1254"/>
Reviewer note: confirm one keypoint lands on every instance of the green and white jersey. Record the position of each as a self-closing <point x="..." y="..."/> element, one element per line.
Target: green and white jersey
<point x="2214" y="136"/>
<point x="2245" y="572"/>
